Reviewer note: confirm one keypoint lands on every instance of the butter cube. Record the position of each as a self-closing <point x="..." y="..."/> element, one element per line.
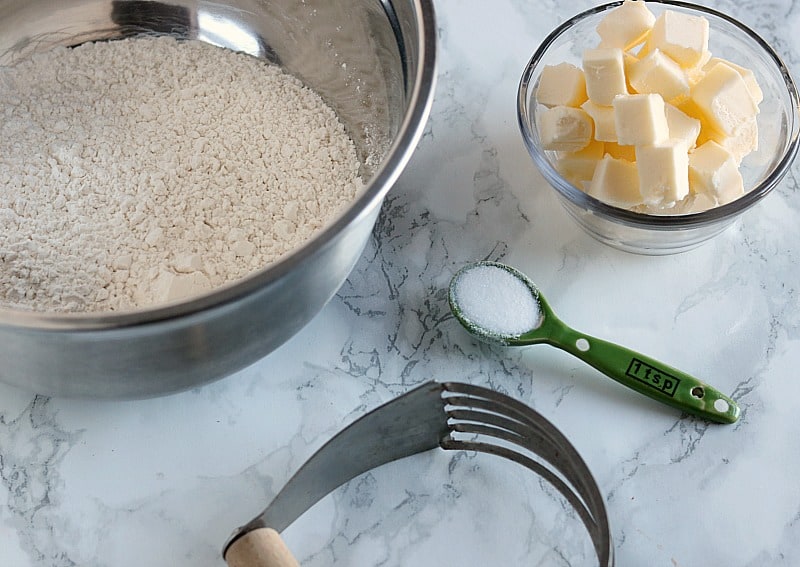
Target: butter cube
<point x="749" y="77"/>
<point x="626" y="25"/>
<point x="696" y="72"/>
<point x="713" y="171"/>
<point x="640" y="119"/>
<point x="658" y="73"/>
<point x="645" y="48"/>
<point x="683" y="37"/>
<point x="616" y="182"/>
<point x="565" y="129"/>
<point x="561" y="85"/>
<point x="604" y="69"/>
<point x="577" y="167"/>
<point x="743" y="141"/>
<point x="663" y="172"/>
<point x="682" y="126"/>
<point x="689" y="107"/>
<point x="605" y="129"/>
<point x="723" y="98"/>
<point x="694" y="203"/>
<point x="628" y="59"/>
<point x="620" y="152"/>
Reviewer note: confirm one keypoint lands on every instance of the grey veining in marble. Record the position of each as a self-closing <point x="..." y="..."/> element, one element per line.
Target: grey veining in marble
<point x="162" y="482"/>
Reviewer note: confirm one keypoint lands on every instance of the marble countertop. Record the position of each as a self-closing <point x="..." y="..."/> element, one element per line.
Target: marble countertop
<point x="162" y="482"/>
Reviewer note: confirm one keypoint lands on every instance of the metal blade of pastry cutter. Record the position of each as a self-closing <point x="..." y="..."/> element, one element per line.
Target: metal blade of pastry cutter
<point x="409" y="424"/>
<point x="452" y="415"/>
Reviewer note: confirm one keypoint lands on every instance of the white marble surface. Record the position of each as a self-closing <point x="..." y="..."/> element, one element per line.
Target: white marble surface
<point x="162" y="482"/>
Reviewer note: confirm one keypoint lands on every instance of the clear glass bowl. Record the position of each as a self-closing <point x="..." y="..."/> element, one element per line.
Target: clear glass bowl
<point x="762" y="169"/>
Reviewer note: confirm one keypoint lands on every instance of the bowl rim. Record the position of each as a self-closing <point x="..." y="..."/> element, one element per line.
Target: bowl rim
<point x="634" y="219"/>
<point x="418" y="107"/>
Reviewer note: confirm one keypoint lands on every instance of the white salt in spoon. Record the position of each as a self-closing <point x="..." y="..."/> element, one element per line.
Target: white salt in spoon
<point x="501" y="305"/>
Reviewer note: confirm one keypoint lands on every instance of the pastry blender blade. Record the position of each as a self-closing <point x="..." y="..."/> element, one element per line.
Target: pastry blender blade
<point x="449" y="415"/>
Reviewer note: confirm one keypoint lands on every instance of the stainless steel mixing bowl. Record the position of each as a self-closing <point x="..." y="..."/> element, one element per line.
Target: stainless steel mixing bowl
<point x="373" y="61"/>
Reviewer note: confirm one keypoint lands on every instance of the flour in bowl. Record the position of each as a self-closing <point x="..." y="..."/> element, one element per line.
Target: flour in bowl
<point x="146" y="170"/>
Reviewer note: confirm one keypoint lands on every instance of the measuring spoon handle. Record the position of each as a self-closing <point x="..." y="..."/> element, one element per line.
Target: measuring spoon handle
<point x="648" y="376"/>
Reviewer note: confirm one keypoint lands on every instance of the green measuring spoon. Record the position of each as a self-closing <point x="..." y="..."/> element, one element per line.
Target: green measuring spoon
<point x="499" y="304"/>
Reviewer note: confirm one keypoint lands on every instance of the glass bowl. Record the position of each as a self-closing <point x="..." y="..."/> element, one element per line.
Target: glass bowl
<point x="762" y="169"/>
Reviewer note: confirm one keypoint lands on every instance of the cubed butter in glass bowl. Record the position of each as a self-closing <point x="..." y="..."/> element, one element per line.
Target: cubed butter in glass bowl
<point x="594" y="183"/>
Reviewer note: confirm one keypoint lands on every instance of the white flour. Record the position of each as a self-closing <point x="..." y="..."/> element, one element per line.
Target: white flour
<point x="141" y="171"/>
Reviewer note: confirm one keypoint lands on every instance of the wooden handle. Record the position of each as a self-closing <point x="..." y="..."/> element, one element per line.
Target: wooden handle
<point x="262" y="547"/>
